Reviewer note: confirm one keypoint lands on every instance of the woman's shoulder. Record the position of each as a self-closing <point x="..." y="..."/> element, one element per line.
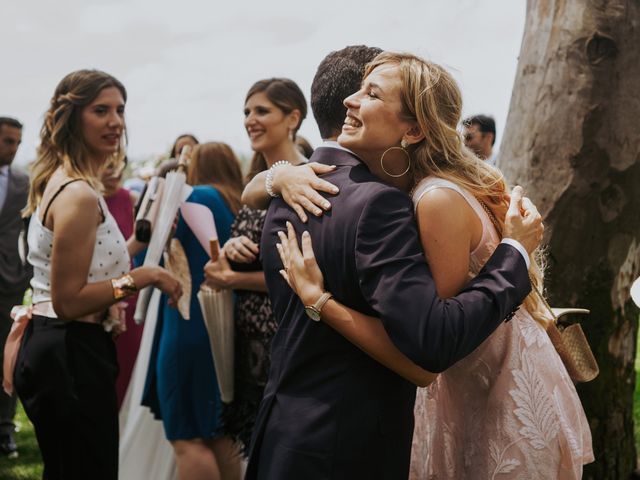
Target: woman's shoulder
<point x="431" y="183"/>
<point x="76" y="190"/>
<point x="437" y="187"/>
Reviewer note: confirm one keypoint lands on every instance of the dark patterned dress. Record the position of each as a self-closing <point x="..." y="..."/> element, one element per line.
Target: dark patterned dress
<point x="255" y="327"/>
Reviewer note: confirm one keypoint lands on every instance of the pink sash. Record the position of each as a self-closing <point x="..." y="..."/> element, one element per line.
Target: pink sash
<point x="21" y="317"/>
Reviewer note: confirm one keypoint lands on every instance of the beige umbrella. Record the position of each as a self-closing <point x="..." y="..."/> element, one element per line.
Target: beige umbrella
<point x="217" y="312"/>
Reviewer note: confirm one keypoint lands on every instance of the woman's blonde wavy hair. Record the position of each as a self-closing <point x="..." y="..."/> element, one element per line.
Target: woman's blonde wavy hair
<point x="432" y="99"/>
<point x="61" y="142"/>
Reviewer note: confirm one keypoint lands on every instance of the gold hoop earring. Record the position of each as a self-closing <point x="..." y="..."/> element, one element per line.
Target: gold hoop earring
<point x="408" y="161"/>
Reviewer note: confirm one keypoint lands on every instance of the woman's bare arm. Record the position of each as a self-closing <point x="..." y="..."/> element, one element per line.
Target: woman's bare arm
<point x="449" y="230"/>
<point x="255" y="195"/>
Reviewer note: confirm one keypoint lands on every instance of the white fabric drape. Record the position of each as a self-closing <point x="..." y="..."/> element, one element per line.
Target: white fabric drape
<point x="144" y="450"/>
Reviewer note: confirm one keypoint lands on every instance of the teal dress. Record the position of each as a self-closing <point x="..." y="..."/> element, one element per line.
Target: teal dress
<point x="181" y="387"/>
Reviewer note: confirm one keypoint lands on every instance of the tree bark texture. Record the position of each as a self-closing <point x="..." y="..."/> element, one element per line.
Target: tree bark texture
<point x="573" y="141"/>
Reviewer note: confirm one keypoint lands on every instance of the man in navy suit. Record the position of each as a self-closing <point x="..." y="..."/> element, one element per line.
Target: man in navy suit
<point x="329" y="410"/>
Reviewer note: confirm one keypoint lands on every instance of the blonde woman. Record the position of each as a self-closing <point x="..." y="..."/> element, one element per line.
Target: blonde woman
<point x="66" y="367"/>
<point x="509" y="409"/>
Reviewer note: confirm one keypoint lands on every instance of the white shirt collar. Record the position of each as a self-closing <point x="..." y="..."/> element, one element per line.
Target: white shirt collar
<point x="334" y="144"/>
<point x="4" y="170"/>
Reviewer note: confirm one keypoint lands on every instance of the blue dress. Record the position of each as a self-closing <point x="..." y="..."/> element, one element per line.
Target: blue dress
<point x="181" y="387"/>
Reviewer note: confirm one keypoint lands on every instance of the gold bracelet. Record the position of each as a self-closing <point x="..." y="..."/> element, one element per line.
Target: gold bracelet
<point x="123" y="286"/>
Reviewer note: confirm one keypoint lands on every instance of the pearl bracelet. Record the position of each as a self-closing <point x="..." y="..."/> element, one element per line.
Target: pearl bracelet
<point x="268" y="184"/>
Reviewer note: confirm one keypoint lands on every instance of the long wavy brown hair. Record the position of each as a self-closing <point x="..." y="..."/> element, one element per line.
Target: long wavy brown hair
<point x="215" y="164"/>
<point x="431" y="98"/>
<point x="61" y="142"/>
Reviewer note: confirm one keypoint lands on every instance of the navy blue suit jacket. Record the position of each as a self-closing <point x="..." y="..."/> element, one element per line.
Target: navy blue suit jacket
<point x="329" y="410"/>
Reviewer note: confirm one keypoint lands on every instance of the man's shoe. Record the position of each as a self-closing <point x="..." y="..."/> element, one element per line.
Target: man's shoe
<point x="8" y="446"/>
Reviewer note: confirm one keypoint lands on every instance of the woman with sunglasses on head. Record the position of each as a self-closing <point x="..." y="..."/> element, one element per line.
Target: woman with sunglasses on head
<point x="66" y="367"/>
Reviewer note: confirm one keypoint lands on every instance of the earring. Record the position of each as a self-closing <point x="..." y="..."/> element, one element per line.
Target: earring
<point x="403" y="149"/>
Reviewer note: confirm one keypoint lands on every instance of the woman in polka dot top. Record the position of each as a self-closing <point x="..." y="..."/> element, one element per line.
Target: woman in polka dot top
<point x="66" y="367"/>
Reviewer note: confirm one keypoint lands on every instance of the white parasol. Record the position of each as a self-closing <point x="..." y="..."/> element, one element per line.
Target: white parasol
<point x="216" y="305"/>
<point x="174" y="193"/>
<point x="217" y="311"/>
<point x="635" y="291"/>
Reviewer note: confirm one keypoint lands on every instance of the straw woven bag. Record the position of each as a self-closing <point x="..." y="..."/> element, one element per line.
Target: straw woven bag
<point x="574" y="350"/>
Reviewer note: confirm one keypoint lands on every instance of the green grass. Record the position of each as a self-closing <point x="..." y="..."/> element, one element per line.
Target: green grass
<point x="28" y="465"/>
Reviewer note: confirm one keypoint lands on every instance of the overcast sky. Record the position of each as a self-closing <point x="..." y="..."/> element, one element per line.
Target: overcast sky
<point x="188" y="64"/>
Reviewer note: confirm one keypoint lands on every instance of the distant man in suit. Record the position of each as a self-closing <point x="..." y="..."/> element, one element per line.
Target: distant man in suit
<point x="329" y="410"/>
<point x="14" y="272"/>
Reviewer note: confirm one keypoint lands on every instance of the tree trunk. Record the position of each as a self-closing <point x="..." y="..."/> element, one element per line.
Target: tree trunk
<point x="572" y="139"/>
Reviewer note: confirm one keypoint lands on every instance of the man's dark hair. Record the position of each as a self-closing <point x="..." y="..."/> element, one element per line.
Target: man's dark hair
<point x="338" y="76"/>
<point x="12" y="122"/>
<point x="485" y="123"/>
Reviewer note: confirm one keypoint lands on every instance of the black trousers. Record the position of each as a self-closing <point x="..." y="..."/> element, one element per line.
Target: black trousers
<point x="65" y="378"/>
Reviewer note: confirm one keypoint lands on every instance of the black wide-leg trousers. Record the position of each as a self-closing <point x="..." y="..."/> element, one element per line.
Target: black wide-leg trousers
<point x="65" y="378"/>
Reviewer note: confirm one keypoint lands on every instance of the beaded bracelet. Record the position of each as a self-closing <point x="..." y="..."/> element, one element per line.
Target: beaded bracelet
<point x="268" y="184"/>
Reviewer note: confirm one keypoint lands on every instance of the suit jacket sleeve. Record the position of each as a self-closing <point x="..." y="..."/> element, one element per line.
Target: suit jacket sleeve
<point x="395" y="280"/>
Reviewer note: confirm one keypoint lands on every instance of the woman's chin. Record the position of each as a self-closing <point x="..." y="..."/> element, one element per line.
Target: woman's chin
<point x="345" y="140"/>
<point x="260" y="145"/>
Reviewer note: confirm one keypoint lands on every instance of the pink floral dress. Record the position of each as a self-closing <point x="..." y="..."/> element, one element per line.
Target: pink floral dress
<point x="507" y="411"/>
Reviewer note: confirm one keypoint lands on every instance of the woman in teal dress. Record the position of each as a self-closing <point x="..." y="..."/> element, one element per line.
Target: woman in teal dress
<point x="181" y="387"/>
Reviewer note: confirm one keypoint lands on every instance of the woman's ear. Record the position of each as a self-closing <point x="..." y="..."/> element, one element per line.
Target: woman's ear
<point x="413" y="135"/>
<point x="293" y="119"/>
